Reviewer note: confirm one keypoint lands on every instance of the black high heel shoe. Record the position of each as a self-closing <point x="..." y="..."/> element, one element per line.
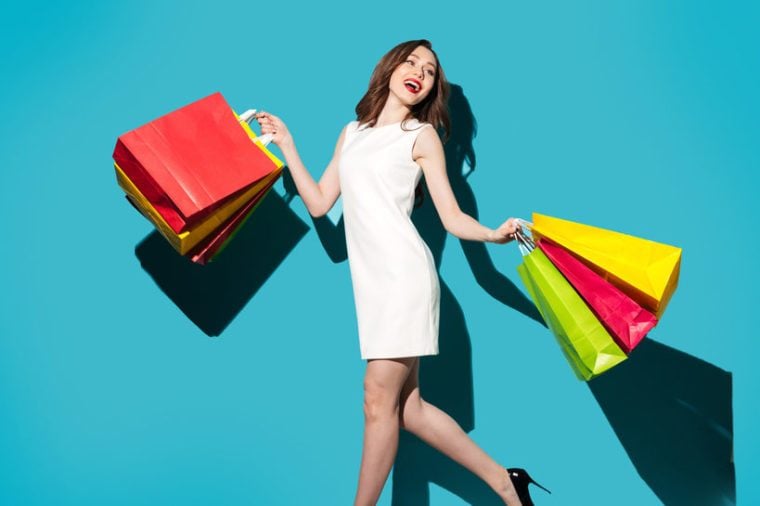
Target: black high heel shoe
<point x="521" y="479"/>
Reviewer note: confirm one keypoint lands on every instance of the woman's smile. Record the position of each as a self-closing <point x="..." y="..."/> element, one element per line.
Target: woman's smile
<point x="413" y="85"/>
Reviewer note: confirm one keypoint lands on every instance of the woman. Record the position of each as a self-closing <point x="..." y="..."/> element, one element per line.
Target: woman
<point x="377" y="164"/>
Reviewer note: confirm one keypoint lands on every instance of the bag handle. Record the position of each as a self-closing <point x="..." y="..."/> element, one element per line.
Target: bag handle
<point x="524" y="223"/>
<point x="525" y="243"/>
<point x="248" y="116"/>
<point x="524" y="231"/>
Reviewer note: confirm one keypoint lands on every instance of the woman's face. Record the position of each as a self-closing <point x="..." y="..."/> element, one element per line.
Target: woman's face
<point x="413" y="79"/>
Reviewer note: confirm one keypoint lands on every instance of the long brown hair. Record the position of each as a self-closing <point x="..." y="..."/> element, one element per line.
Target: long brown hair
<point x="433" y="110"/>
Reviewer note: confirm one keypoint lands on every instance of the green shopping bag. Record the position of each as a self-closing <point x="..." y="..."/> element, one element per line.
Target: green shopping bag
<point x="584" y="341"/>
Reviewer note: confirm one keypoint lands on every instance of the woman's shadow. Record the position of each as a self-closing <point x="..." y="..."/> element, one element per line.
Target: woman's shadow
<point x="445" y="379"/>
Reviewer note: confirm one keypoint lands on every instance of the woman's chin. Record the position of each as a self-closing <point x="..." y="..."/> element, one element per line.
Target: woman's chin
<point x="407" y="99"/>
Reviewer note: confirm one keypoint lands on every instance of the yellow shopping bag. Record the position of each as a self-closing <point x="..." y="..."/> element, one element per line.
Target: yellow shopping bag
<point x="645" y="270"/>
<point x="186" y="241"/>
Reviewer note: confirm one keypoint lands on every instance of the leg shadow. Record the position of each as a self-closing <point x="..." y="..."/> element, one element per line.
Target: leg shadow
<point x="213" y="295"/>
<point x="423" y="465"/>
<point x="673" y="414"/>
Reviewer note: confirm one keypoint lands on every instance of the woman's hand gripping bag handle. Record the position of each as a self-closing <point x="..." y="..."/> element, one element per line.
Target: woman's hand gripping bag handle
<point x="265" y="140"/>
<point x="247" y="117"/>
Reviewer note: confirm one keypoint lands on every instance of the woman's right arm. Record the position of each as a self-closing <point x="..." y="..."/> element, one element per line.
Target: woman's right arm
<point x="318" y="197"/>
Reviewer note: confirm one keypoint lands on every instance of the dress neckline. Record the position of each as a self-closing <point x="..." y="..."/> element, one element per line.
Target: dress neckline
<point x="395" y="123"/>
<point x="387" y="125"/>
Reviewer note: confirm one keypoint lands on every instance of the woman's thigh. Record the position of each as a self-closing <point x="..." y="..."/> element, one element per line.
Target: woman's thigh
<point x="410" y="400"/>
<point x="384" y="379"/>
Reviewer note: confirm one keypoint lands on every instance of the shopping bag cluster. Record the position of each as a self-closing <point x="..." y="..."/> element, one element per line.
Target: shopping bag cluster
<point x="600" y="292"/>
<point x="197" y="173"/>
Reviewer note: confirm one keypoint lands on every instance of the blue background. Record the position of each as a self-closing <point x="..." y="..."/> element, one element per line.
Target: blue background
<point x="636" y="116"/>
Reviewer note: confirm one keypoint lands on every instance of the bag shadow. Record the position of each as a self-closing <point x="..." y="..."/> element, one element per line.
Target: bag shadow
<point x="673" y="414"/>
<point x="211" y="296"/>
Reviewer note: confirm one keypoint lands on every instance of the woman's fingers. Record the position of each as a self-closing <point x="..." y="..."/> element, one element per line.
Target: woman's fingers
<point x="271" y="124"/>
<point x="267" y="122"/>
<point x="263" y="118"/>
<point x="507" y="231"/>
<point x="266" y="115"/>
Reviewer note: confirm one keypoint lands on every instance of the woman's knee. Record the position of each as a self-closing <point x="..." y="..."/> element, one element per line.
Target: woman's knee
<point x="380" y="401"/>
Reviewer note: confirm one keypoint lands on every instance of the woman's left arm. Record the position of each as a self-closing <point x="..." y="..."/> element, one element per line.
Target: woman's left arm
<point x="428" y="153"/>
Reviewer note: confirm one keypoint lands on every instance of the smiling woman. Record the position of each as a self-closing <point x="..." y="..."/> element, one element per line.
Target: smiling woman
<point x="378" y="161"/>
<point x="407" y="66"/>
<point x="411" y="66"/>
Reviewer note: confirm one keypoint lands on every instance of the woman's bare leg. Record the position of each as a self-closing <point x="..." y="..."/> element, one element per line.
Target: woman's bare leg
<point x="443" y="433"/>
<point x="382" y="386"/>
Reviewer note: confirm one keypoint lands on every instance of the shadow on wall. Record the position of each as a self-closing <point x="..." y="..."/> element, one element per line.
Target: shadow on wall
<point x="459" y="152"/>
<point x="673" y="414"/>
<point x="213" y="295"/>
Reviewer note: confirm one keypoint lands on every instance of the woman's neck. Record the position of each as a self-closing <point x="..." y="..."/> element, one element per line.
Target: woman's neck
<point x="393" y="112"/>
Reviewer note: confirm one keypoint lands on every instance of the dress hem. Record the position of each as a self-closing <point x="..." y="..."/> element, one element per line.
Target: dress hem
<point x="404" y="355"/>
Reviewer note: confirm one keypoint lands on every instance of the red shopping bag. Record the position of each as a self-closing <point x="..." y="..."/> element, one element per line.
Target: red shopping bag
<point x="190" y="161"/>
<point x="626" y="321"/>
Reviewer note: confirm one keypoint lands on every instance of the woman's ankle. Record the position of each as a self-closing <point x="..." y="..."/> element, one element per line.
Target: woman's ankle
<point x="505" y="489"/>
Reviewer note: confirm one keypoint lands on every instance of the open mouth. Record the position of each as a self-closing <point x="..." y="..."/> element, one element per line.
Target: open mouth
<point x="413" y="85"/>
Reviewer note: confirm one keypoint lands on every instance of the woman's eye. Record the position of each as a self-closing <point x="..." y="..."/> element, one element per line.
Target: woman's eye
<point x="431" y="73"/>
<point x="410" y="62"/>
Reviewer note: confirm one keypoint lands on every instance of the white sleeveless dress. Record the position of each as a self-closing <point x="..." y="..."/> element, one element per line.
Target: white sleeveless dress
<point x="396" y="289"/>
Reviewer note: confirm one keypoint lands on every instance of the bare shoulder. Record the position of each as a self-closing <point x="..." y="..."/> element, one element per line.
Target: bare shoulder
<point x="428" y="143"/>
<point x="342" y="138"/>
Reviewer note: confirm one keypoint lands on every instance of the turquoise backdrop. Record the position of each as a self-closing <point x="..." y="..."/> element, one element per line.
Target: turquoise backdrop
<point x="129" y="377"/>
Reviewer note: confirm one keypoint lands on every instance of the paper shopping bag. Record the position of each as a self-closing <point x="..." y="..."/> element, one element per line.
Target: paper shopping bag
<point x="625" y="320"/>
<point x="191" y="161"/>
<point x="645" y="270"/>
<point x="585" y="342"/>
